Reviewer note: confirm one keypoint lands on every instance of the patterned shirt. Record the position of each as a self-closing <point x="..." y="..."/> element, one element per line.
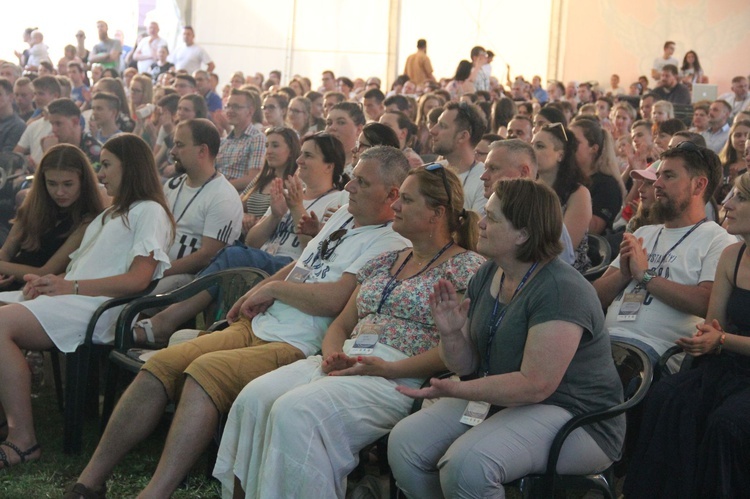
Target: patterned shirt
<point x="405" y="318"/>
<point x="240" y="154"/>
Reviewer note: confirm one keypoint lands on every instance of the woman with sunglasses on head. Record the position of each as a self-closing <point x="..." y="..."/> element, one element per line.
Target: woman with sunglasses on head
<point x="298" y="430"/>
<point x="273" y="242"/>
<point x="530" y="336"/>
<point x="122" y="251"/>
<point x="694" y="440"/>
<point x="555" y="149"/>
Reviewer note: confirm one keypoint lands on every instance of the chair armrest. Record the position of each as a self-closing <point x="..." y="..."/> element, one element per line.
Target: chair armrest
<point x="114" y="302"/>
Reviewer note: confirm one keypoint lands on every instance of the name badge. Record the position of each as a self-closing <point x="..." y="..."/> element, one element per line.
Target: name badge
<point x="631" y="305"/>
<point x="298" y="274"/>
<point x="273" y="248"/>
<point x="475" y="413"/>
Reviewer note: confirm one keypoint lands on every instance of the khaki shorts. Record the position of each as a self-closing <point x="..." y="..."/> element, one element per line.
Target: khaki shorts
<point x="222" y="362"/>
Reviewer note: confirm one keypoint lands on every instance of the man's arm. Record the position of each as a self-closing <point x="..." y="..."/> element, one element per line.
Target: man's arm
<point x="197" y="260"/>
<point x="323" y="299"/>
<point x="610" y="285"/>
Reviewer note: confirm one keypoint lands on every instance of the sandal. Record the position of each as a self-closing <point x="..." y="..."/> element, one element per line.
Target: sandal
<point x="80" y="491"/>
<point x="22" y="454"/>
<point x="148" y="329"/>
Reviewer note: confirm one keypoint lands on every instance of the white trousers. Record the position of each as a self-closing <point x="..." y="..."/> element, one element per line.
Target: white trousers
<point x="296" y="432"/>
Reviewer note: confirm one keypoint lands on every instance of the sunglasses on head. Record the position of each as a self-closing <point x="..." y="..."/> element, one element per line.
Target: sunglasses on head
<point x="432" y="167"/>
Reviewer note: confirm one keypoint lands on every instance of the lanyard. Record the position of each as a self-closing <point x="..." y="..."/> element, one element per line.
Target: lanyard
<point x="664" y="257"/>
<point x="179" y="191"/>
<point x="469" y="173"/>
<point x="393" y="283"/>
<point x="495" y="321"/>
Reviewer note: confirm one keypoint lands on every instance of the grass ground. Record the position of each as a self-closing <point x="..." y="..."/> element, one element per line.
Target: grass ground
<point x="49" y="476"/>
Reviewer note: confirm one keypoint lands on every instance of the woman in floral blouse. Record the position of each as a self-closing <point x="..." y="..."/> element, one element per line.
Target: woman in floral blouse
<point x="298" y="431"/>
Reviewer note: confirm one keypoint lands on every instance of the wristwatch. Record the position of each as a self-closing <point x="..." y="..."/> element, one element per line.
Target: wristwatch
<point x="647" y="276"/>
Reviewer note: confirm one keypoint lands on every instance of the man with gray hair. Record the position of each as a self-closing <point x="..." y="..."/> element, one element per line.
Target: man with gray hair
<point x="515" y="158"/>
<point x="281" y="320"/>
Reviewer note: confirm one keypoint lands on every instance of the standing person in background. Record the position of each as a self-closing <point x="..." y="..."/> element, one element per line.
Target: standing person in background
<point x="192" y="56"/>
<point x="107" y="51"/>
<point x="418" y="66"/>
<point x="666" y="58"/>
<point x="145" y="53"/>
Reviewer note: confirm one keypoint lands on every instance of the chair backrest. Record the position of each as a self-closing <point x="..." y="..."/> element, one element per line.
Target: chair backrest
<point x="635" y="371"/>
<point x="232" y="286"/>
<point x="600" y="255"/>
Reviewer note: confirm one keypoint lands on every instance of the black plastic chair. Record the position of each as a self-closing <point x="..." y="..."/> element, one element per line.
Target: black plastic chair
<point x="636" y="375"/>
<point x="80" y="385"/>
<point x="231" y="284"/>
<point x="600" y="255"/>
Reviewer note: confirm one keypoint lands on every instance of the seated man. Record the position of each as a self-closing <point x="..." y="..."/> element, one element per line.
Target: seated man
<point x="206" y="208"/>
<point x="281" y="320"/>
<point x="65" y="117"/>
<point x="657" y="289"/>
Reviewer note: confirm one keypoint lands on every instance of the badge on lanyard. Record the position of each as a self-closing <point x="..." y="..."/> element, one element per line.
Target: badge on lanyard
<point x="364" y="343"/>
<point x="631" y="305"/>
<point x="475" y="413"/>
<point x="298" y="274"/>
<point x="273" y="248"/>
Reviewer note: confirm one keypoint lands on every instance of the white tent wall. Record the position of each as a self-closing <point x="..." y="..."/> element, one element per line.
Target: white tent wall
<point x="358" y="39"/>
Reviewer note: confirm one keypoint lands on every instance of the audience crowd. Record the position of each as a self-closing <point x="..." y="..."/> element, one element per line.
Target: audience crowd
<point x="369" y="207"/>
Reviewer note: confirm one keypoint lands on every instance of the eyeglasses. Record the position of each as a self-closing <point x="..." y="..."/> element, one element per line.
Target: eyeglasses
<point x="269" y="107"/>
<point x="550" y="126"/>
<point x="437" y="166"/>
<point x="360" y="146"/>
<point x="336" y="237"/>
<point x="480" y="154"/>
<point x="296" y="111"/>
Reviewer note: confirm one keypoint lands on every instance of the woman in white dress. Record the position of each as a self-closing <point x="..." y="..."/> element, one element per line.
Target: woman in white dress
<point x="122" y="251"/>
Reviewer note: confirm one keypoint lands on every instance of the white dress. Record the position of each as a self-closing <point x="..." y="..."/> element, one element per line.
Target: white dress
<point x="107" y="250"/>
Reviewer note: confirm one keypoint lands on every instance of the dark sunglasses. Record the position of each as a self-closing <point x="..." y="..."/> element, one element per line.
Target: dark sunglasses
<point x="329" y="245"/>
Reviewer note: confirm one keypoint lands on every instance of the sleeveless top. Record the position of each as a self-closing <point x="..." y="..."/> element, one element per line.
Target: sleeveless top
<point x="738" y="305"/>
<point x="49" y="243"/>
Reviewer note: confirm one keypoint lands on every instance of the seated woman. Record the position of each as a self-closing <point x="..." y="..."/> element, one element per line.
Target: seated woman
<point x="555" y="149"/>
<point x="274" y="109"/>
<point x="532" y="331"/>
<point x="273" y="242"/>
<point x="405" y="130"/>
<point x="695" y="437"/>
<point x="50" y="223"/>
<point x="595" y="155"/>
<point x="282" y="150"/>
<point x="123" y="250"/>
<point x="297" y="431"/>
<point x="299" y="115"/>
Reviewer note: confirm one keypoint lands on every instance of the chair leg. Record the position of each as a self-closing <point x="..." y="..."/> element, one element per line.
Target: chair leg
<point x="57" y="374"/>
<point x="75" y="396"/>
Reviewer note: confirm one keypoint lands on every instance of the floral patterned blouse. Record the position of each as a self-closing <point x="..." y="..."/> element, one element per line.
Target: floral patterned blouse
<point x="405" y="317"/>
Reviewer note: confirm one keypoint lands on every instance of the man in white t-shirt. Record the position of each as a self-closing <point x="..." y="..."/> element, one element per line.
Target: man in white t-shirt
<point x="457" y="132"/>
<point x="145" y="53"/>
<point x="657" y="289"/>
<point x="206" y="208"/>
<point x="281" y="320"/>
<point x="666" y="58"/>
<point x="46" y="89"/>
<point x="192" y="56"/>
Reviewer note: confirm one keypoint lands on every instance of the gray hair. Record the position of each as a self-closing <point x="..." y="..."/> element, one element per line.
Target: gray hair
<point x="518" y="147"/>
<point x="394" y="167"/>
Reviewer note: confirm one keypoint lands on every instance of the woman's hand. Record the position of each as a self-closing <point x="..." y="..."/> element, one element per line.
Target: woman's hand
<point x="6" y="280"/>
<point x="309" y="225"/>
<point x="438" y="388"/>
<point x="278" y="203"/>
<point x="364" y="366"/>
<point x="705" y="340"/>
<point x="295" y="192"/>
<point x="50" y="285"/>
<point x="337" y="362"/>
<point x="448" y="312"/>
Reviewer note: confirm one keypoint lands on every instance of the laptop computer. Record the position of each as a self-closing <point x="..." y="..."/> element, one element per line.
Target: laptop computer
<point x="703" y="91"/>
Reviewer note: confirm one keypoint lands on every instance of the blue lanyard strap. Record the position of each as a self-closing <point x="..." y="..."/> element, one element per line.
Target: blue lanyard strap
<point x="496" y="320"/>
<point x="664" y="257"/>
<point x="393" y="282"/>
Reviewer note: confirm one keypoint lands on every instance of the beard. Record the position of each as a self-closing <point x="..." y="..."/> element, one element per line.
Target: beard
<point x="668" y="209"/>
<point x="178" y="168"/>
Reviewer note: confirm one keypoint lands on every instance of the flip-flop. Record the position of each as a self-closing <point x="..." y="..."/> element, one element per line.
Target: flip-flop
<point x="22" y="454"/>
<point x="80" y="491"/>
